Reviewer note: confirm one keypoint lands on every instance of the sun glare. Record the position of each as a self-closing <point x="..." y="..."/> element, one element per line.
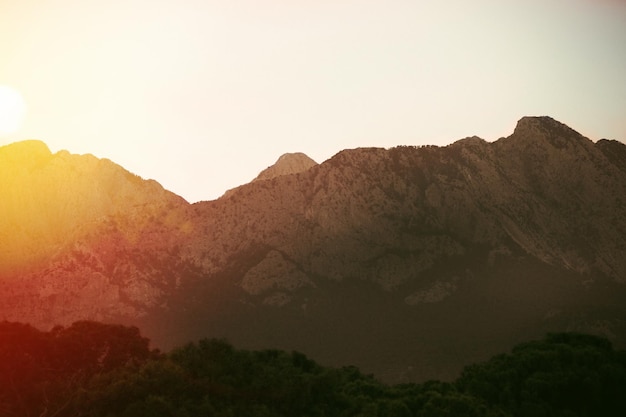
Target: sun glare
<point x="12" y="110"/>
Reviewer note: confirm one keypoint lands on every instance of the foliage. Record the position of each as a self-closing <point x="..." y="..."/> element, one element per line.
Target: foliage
<point x="566" y="374"/>
<point x="96" y="370"/>
<point x="41" y="372"/>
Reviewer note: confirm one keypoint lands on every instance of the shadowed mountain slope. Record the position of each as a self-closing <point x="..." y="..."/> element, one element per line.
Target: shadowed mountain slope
<point x="409" y="262"/>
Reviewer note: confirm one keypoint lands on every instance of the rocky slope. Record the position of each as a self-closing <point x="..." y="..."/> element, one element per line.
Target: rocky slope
<point x="287" y="164"/>
<point x="63" y="218"/>
<point x="409" y="262"/>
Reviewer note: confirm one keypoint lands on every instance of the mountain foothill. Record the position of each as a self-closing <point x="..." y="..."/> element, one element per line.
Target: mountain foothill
<point x="410" y="262"/>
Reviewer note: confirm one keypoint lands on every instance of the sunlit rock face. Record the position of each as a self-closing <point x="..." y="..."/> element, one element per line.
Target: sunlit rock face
<point x="422" y="258"/>
<point x="48" y="199"/>
<point x="287" y="164"/>
<point x="65" y="222"/>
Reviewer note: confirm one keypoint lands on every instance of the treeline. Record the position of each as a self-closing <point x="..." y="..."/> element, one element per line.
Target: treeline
<point x="98" y="370"/>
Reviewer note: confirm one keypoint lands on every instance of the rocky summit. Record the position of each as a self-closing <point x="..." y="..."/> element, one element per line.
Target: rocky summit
<point x="408" y="262"/>
<point x="289" y="163"/>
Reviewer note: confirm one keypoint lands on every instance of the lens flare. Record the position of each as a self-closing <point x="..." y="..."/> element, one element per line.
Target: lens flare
<point x="12" y="110"/>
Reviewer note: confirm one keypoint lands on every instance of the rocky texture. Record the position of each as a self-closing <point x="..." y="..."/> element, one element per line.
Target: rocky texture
<point x="64" y="220"/>
<point x="274" y="272"/>
<point x="49" y="199"/>
<point x="422" y="258"/>
<point x="434" y="293"/>
<point x="287" y="164"/>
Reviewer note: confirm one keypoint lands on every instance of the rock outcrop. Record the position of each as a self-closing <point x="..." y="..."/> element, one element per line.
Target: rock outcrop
<point x="287" y="164"/>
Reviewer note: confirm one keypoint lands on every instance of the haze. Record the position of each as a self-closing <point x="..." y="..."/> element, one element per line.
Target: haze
<point x="202" y="95"/>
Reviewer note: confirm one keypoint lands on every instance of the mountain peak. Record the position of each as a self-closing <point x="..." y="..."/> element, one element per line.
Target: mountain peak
<point x="535" y="122"/>
<point x="547" y="128"/>
<point x="287" y="164"/>
<point x="27" y="150"/>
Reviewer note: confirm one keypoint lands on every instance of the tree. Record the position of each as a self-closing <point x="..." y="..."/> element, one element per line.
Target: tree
<point x="566" y="374"/>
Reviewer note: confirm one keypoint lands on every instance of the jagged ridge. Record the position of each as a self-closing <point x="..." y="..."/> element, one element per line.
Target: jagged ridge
<point x="380" y="251"/>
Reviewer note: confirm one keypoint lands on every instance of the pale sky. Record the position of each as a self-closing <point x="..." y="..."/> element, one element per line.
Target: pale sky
<point x="202" y="95"/>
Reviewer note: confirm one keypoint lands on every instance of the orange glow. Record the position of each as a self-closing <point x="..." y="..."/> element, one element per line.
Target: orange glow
<point x="49" y="199"/>
<point x="12" y="110"/>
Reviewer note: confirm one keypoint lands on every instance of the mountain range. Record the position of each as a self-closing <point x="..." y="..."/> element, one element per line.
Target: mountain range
<point x="408" y="262"/>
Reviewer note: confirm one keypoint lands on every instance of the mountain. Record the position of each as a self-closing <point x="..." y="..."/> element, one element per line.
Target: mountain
<point x="287" y="164"/>
<point x="63" y="218"/>
<point x="47" y="198"/>
<point x="408" y="262"/>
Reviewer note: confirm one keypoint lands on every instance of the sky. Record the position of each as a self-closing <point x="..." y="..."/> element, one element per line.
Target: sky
<point x="201" y="95"/>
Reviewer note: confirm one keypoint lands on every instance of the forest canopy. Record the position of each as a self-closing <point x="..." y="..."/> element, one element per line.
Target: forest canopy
<point x="103" y="370"/>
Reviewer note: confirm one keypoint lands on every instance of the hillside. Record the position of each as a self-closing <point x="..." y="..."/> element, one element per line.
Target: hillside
<point x="409" y="262"/>
<point x="48" y="198"/>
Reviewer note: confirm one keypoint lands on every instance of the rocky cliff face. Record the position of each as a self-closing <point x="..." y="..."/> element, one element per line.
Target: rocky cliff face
<point x="408" y="262"/>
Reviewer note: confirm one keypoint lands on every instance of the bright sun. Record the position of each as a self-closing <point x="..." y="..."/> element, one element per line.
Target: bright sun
<point x="12" y="110"/>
